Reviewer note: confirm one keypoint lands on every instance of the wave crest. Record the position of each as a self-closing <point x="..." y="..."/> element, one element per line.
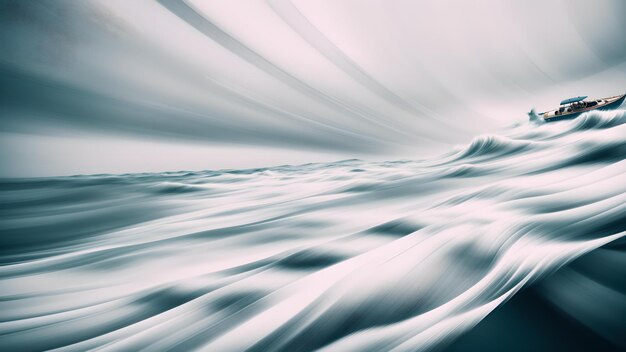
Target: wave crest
<point x="494" y="145"/>
<point x="599" y="120"/>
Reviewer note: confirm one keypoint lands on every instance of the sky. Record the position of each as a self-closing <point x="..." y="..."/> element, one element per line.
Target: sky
<point x="122" y="86"/>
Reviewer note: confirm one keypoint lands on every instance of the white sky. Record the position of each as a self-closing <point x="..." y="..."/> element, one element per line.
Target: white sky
<point x="134" y="86"/>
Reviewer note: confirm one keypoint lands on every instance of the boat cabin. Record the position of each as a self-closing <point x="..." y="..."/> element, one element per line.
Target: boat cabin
<point x="578" y="103"/>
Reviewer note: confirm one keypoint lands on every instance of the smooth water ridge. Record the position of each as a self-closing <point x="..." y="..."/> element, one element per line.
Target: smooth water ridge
<point x="407" y="255"/>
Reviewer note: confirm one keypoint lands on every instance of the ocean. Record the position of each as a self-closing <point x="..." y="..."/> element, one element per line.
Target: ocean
<point x="512" y="242"/>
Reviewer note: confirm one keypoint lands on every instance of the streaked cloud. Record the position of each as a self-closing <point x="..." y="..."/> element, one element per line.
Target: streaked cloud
<point x="362" y="78"/>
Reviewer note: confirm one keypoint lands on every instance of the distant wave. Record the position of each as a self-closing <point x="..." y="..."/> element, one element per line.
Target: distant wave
<point x="494" y="145"/>
<point x="347" y="256"/>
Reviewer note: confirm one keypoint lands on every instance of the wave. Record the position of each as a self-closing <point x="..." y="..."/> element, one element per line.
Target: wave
<point x="344" y="256"/>
<point x="494" y="145"/>
<point x="599" y="120"/>
<point x="177" y="187"/>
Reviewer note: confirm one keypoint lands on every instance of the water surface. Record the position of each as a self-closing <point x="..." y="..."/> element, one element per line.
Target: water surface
<point x="401" y="255"/>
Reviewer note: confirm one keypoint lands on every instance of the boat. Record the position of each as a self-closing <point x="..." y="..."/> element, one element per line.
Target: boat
<point x="573" y="107"/>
